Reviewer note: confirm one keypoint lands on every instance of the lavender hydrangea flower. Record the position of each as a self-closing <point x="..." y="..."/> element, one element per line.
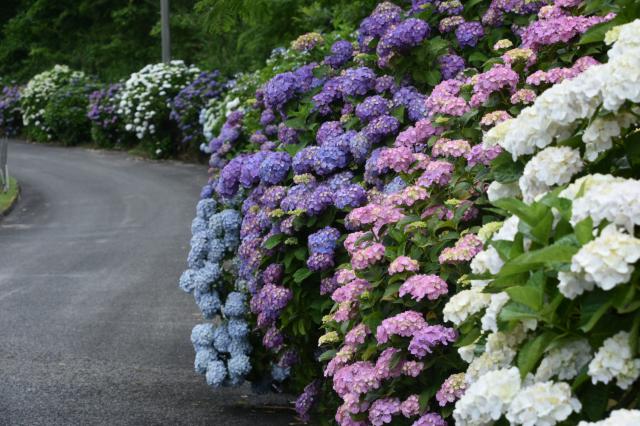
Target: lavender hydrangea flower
<point x="357" y="81"/>
<point x="327" y="131"/>
<point x="381" y="127"/>
<point x="350" y="196"/>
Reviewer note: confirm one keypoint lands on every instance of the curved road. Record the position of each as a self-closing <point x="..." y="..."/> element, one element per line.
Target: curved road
<point x="93" y="328"/>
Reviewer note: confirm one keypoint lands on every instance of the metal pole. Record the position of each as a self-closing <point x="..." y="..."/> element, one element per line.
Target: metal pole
<point x="166" y="35"/>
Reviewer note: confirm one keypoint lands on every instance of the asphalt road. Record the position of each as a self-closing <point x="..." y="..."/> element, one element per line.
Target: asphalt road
<point x="93" y="329"/>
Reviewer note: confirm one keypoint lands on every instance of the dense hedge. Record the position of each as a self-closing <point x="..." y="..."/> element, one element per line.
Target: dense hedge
<point x="432" y="219"/>
<point x="409" y="255"/>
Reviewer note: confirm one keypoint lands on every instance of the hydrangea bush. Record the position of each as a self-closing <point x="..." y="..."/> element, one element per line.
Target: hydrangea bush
<point x="107" y="126"/>
<point x="40" y="90"/>
<point x="145" y="105"/>
<point x="385" y="278"/>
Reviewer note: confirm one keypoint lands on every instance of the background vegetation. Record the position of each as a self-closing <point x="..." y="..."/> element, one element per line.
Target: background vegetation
<point x="113" y="38"/>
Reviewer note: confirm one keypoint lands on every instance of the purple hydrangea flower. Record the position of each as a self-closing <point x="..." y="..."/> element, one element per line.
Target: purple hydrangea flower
<point x="341" y="52"/>
<point x="450" y="65"/>
<point x="328" y="130"/>
<point x="372" y="107"/>
<point x="275" y="167"/>
<point x="469" y="33"/>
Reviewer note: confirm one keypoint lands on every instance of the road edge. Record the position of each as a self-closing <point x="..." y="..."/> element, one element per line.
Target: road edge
<point x="13" y="202"/>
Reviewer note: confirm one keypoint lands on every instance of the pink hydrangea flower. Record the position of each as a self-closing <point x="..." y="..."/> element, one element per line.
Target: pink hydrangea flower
<point x="357" y="378"/>
<point x="490" y="119"/>
<point x="410" y="407"/>
<point x="351" y="291"/>
<point x="497" y="78"/>
<point x="412" y="368"/>
<point x="430" y="336"/>
<point x="344" y="276"/>
<point x="436" y="173"/>
<point x="383" y="410"/>
<point x="450" y="148"/>
<point x="430" y="419"/>
<point x="451" y="390"/>
<point x="397" y="159"/>
<point x="367" y="256"/>
<point x="464" y="250"/>
<point x="421" y="286"/>
<point x="523" y="96"/>
<point x="481" y="154"/>
<point x="403" y="263"/>
<point x="404" y="324"/>
<point x="383" y="365"/>
<point x="357" y="335"/>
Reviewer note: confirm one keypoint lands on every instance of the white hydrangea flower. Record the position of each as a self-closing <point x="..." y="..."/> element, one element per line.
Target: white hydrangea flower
<point x="542" y="404"/>
<point x="557" y="111"/>
<point x="600" y="132"/>
<point x="500" y="351"/>
<point x="465" y="303"/>
<point x="606" y="262"/>
<point x="564" y="362"/>
<point x="614" y="361"/>
<point x="488" y="230"/>
<point x="551" y="166"/>
<point x="490" y="318"/>
<point x="508" y="230"/>
<point x="486" y="400"/>
<point x="467" y="353"/>
<point x="487" y="261"/>
<point x="621" y="417"/>
<point x="497" y="191"/>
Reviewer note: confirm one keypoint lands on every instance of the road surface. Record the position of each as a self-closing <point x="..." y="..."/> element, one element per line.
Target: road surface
<point x="93" y="328"/>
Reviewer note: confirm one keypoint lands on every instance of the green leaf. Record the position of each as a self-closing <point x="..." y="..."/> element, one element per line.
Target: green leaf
<point x="532" y="351"/>
<point x="301" y="275"/>
<point x="513" y="311"/>
<point x="468" y="338"/>
<point x="594" y="401"/>
<point x="327" y="355"/>
<point x="596" y="33"/>
<point x="505" y="170"/>
<point x="593" y="307"/>
<point x="547" y="256"/>
<point x="390" y="291"/>
<point x="528" y="296"/>
<point x="273" y="241"/>
<point x="433" y="77"/>
<point x="584" y="230"/>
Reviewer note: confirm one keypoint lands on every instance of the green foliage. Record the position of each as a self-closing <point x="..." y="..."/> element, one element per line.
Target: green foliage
<point x="66" y="114"/>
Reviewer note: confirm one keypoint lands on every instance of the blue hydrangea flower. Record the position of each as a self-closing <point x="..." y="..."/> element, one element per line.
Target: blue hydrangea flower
<point x="328" y="130"/>
<point x="221" y="338"/>
<point x="198" y="251"/>
<point x="207" y="275"/>
<point x="303" y="160"/>
<point x="203" y="358"/>
<point x="350" y="196"/>
<point x="328" y="160"/>
<point x="187" y="280"/>
<point x="205" y="208"/>
<point x="215" y="226"/>
<point x="198" y="225"/>
<point x="237" y="328"/>
<point x="319" y="201"/>
<point x="209" y="304"/>
<point x="202" y="336"/>
<point x="381" y="127"/>
<point x="275" y="167"/>
<point x="239" y="366"/>
<point x="231" y="220"/>
<point x="324" y="241"/>
<point x="249" y="173"/>
<point x="231" y="242"/>
<point x="397" y="184"/>
<point x="280" y="374"/>
<point x="216" y="250"/>
<point x="235" y="306"/>
<point x="360" y="148"/>
<point x="239" y="346"/>
<point x="341" y="52"/>
<point x="216" y="373"/>
<point x="357" y="81"/>
<point x="339" y="180"/>
<point x="372" y="107"/>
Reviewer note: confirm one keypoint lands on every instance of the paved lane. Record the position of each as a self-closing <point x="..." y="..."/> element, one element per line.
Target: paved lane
<point x="93" y="329"/>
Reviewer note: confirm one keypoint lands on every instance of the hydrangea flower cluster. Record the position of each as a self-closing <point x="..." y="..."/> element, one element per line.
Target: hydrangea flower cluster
<point x="37" y="93"/>
<point x="187" y="104"/>
<point x="145" y="100"/>
<point x="222" y="346"/>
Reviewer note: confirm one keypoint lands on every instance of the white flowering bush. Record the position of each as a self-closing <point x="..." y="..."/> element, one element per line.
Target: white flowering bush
<point x="552" y="315"/>
<point x="37" y="94"/>
<point x="145" y="104"/>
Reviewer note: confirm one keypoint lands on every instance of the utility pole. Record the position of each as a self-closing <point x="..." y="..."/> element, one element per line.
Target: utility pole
<point x="166" y="35"/>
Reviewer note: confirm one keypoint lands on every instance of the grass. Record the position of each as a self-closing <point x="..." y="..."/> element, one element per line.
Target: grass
<point x="7" y="198"/>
